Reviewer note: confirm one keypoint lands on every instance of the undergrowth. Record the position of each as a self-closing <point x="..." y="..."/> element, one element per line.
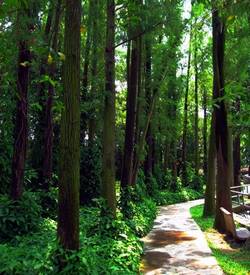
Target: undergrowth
<point x="107" y="246"/>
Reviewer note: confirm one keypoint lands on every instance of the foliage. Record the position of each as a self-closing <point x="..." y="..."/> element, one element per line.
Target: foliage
<point x="90" y="170"/>
<point x="168" y="197"/>
<point x="48" y="201"/>
<point x="107" y="246"/>
<point x="18" y="217"/>
<point x="232" y="262"/>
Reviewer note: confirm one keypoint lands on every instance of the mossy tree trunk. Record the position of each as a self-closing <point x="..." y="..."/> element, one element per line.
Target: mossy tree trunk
<point x="68" y="215"/>
<point x="108" y="143"/>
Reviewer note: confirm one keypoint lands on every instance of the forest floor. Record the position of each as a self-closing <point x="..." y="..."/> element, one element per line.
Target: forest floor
<point x="176" y="245"/>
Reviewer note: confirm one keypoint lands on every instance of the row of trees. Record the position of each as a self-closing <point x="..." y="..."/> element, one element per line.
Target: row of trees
<point x="116" y="76"/>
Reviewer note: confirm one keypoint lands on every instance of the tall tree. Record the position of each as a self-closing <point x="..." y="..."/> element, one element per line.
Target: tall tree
<point x="236" y="150"/>
<point x="209" y="205"/>
<point x="68" y="214"/>
<point x="128" y="159"/>
<point x="148" y="163"/>
<point x="185" y="121"/>
<point x="47" y="145"/>
<point x="224" y="175"/>
<point x="21" y="121"/>
<point x="108" y="164"/>
<point x="196" y="113"/>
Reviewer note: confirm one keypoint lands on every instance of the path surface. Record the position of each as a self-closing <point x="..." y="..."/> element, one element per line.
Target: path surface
<point x="176" y="245"/>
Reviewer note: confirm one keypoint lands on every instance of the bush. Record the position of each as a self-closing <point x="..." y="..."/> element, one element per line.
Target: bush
<point x="168" y="197"/>
<point x="49" y="202"/>
<point x="18" y="217"/>
<point x="90" y="171"/>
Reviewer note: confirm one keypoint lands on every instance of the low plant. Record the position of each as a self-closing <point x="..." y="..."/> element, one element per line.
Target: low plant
<point x="20" y="216"/>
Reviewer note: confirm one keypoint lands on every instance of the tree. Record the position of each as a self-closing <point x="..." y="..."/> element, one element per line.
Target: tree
<point x="185" y="121"/>
<point x="224" y="175"/>
<point x="133" y="76"/>
<point x="21" y="120"/>
<point x="108" y="143"/>
<point x="209" y="205"/>
<point x="68" y="213"/>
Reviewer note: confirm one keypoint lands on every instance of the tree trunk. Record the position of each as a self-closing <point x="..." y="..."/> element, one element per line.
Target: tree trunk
<point x="223" y="180"/>
<point x="196" y="120"/>
<point x="108" y="165"/>
<point x="185" y="122"/>
<point x="236" y="151"/>
<point x="148" y="163"/>
<point x="205" y="162"/>
<point x="94" y="61"/>
<point x="48" y="118"/>
<point x="85" y="78"/>
<point x="209" y="205"/>
<point x="126" y="179"/>
<point x="69" y="175"/>
<point x="21" y="121"/>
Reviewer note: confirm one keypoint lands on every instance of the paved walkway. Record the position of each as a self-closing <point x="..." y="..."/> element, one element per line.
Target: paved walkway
<point x="176" y="245"/>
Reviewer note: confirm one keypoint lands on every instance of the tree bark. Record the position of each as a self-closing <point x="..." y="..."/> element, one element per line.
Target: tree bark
<point x="69" y="176"/>
<point x="108" y="164"/>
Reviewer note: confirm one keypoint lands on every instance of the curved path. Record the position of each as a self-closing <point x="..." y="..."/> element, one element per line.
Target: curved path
<point x="176" y="245"/>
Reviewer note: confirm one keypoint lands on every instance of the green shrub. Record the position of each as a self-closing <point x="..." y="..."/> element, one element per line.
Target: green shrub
<point x="167" y="197"/>
<point x="90" y="171"/>
<point x="18" y="217"/>
<point x="49" y="202"/>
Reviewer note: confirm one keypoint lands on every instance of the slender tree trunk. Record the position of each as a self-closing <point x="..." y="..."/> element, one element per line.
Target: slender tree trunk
<point x="93" y="91"/>
<point x="148" y="163"/>
<point x="209" y="205"/>
<point x="85" y="78"/>
<point x="223" y="180"/>
<point x="69" y="175"/>
<point x="140" y="96"/>
<point x="48" y="130"/>
<point x="126" y="179"/>
<point x="185" y="122"/>
<point x="196" y="120"/>
<point x="205" y="162"/>
<point x="236" y="151"/>
<point x="21" y="122"/>
<point x="108" y="165"/>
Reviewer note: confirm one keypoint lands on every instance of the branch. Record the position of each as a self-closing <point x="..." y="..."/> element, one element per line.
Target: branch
<point x="139" y="34"/>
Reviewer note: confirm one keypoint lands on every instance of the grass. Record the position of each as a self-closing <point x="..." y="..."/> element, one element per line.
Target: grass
<point x="235" y="261"/>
